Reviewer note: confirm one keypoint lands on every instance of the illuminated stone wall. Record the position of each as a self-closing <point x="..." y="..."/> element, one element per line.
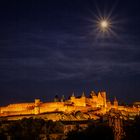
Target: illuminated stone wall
<point x="72" y="105"/>
<point x="17" y="107"/>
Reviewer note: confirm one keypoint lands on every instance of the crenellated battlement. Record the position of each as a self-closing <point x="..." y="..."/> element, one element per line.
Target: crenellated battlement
<point x="73" y="104"/>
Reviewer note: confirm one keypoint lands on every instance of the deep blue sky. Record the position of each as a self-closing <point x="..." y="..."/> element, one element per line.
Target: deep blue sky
<point x="50" y="47"/>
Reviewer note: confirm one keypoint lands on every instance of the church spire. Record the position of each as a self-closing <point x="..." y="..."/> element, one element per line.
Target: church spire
<point x="115" y="102"/>
<point x="73" y="95"/>
<point x="83" y="94"/>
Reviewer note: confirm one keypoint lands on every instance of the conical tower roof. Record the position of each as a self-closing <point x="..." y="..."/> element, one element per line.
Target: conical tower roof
<point x="99" y="95"/>
<point x="93" y="93"/>
<point x="115" y="99"/>
<point x="73" y="95"/>
<point x="83" y="94"/>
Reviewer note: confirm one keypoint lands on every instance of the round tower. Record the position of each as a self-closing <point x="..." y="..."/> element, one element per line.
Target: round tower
<point x="62" y="98"/>
<point x="72" y="96"/>
<point x="115" y="103"/>
<point x="103" y="94"/>
<point x="37" y="107"/>
<point x="83" y="99"/>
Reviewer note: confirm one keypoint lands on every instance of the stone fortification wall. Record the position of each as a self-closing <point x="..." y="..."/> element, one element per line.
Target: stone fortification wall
<point x="129" y="109"/>
<point x="61" y="106"/>
<point x="17" y="107"/>
<point x="38" y="107"/>
<point x="83" y="104"/>
<point x="79" y="101"/>
<point x="12" y="113"/>
<point x="52" y="106"/>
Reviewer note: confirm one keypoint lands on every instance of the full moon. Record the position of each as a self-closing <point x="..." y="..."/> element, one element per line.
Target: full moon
<point x="104" y="24"/>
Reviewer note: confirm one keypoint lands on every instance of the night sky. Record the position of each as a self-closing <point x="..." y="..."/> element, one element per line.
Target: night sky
<point x="51" y="47"/>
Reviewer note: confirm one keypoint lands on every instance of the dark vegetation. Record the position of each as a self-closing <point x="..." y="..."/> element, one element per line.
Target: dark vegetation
<point x="132" y="129"/>
<point x="31" y="129"/>
<point x="28" y="129"/>
<point x="101" y="132"/>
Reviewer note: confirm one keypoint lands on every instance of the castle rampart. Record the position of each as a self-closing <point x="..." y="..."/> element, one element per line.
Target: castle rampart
<point x="95" y="101"/>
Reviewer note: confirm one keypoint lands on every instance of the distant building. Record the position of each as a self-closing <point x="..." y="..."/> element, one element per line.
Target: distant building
<point x="95" y="101"/>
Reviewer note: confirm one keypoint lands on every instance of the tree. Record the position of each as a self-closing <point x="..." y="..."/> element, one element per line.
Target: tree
<point x="28" y="129"/>
<point x="132" y="129"/>
<point x="100" y="132"/>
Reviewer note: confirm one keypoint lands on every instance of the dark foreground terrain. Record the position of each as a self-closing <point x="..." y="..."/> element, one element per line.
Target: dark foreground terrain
<point x="39" y="129"/>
